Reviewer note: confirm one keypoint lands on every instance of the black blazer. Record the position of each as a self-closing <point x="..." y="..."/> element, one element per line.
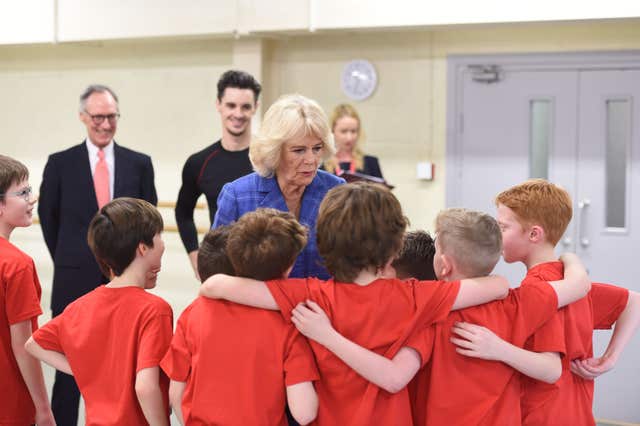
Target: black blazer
<point x="68" y="203"/>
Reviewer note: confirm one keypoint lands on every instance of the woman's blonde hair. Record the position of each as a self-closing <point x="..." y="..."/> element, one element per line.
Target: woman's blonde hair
<point x="347" y="110"/>
<point x="290" y="117"/>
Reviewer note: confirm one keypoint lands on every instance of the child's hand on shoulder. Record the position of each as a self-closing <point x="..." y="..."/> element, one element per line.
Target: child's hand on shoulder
<point x="312" y="322"/>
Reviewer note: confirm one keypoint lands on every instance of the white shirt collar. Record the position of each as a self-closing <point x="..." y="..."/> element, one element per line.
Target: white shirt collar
<point x="93" y="150"/>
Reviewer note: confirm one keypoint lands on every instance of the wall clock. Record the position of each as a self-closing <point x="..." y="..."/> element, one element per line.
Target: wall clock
<point x="359" y="79"/>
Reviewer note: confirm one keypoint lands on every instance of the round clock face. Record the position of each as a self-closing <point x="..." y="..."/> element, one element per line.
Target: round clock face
<point x="359" y="79"/>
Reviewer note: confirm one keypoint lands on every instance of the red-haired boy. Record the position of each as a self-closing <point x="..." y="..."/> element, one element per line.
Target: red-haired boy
<point x="533" y="216"/>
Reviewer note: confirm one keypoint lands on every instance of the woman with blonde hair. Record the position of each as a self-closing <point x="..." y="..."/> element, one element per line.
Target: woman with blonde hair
<point x="347" y="133"/>
<point x="286" y="153"/>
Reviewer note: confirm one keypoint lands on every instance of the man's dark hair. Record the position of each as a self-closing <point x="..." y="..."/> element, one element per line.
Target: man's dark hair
<point x="118" y="228"/>
<point x="212" y="255"/>
<point x="416" y="257"/>
<point x="239" y="80"/>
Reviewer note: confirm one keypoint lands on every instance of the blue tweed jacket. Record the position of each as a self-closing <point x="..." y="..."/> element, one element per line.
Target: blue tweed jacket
<point x="253" y="191"/>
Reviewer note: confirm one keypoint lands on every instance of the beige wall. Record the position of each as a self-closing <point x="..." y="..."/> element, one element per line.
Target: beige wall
<point x="167" y="90"/>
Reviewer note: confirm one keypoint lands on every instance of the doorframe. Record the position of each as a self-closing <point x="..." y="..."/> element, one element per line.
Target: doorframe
<point x="458" y="66"/>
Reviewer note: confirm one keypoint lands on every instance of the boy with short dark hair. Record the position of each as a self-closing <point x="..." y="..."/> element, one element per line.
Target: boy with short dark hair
<point x="360" y="229"/>
<point x="113" y="338"/>
<point x="231" y="364"/>
<point x="212" y="254"/>
<point x="533" y="216"/>
<point x="25" y="398"/>
<point x="415" y="259"/>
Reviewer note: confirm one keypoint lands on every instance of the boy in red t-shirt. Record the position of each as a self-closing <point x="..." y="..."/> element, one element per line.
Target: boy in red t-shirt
<point x="533" y="216"/>
<point x="453" y="389"/>
<point x="24" y="399"/>
<point x="113" y="338"/>
<point x="232" y="364"/>
<point x="359" y="232"/>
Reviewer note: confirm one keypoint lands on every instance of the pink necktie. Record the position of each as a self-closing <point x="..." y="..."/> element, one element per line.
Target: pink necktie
<point x="101" y="180"/>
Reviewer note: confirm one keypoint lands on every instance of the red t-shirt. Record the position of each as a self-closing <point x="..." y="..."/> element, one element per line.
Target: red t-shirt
<point x="19" y="301"/>
<point x="236" y="361"/>
<point x="457" y="390"/>
<point x="374" y="316"/>
<point x="570" y="399"/>
<point x="108" y="336"/>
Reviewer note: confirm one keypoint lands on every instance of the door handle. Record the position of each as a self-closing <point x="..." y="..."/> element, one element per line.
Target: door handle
<point x="582" y="207"/>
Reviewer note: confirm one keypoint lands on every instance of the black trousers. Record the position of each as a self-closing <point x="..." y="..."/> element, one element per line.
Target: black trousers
<point x="65" y="398"/>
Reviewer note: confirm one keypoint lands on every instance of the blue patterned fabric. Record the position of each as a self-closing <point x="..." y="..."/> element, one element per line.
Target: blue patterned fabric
<point x="252" y="191"/>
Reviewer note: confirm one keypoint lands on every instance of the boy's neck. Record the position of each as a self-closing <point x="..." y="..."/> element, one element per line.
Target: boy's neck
<point x="366" y="277"/>
<point x="543" y="254"/>
<point x="131" y="277"/>
<point x="5" y="230"/>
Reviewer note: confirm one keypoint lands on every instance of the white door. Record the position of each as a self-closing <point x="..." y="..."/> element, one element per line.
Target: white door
<point x="608" y="213"/>
<point x="577" y="128"/>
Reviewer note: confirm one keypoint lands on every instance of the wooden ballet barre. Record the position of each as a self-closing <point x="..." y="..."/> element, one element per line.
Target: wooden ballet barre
<point x="172" y="205"/>
<point x="167" y="228"/>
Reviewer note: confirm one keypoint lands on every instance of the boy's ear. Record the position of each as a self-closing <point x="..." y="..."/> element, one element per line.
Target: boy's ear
<point x="142" y="249"/>
<point x="536" y="234"/>
<point x="446" y="266"/>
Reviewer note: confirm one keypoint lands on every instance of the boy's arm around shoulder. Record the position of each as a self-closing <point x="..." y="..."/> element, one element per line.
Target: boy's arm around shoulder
<point x="576" y="283"/>
<point x="625" y="327"/>
<point x="391" y="375"/>
<point x="31" y="372"/>
<point x="476" y="341"/>
<point x="476" y="291"/>
<point x="244" y="291"/>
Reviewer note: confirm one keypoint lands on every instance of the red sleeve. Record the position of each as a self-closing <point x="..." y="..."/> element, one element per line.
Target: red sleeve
<point x="48" y="336"/>
<point x="299" y="363"/>
<point x="288" y="293"/>
<point x="538" y="302"/>
<point x="608" y="303"/>
<point x="22" y="297"/>
<point x="155" y="337"/>
<point x="434" y="300"/>
<point x="549" y="337"/>
<point x="177" y="361"/>
<point x="422" y="341"/>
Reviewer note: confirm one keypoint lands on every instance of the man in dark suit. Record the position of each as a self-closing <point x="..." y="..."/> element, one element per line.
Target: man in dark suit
<point x="75" y="183"/>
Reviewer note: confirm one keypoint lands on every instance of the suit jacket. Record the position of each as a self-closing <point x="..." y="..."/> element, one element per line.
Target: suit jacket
<point x="68" y="203"/>
<point x="253" y="191"/>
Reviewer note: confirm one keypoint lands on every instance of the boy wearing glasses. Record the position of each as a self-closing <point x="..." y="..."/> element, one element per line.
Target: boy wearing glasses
<point x="25" y="398"/>
<point x="77" y="182"/>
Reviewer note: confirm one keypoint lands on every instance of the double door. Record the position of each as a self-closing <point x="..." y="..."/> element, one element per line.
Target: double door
<point x="578" y="127"/>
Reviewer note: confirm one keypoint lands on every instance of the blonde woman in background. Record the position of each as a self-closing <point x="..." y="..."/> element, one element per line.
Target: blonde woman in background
<point x="347" y="133"/>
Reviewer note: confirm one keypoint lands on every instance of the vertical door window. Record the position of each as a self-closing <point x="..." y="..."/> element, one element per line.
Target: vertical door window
<point x="540" y="137"/>
<point x="617" y="153"/>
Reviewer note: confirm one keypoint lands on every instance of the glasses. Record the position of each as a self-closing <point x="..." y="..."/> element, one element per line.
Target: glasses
<point x="99" y="118"/>
<point x="25" y="193"/>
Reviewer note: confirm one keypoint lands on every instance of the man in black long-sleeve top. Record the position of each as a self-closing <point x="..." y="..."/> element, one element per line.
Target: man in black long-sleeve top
<point x="205" y="172"/>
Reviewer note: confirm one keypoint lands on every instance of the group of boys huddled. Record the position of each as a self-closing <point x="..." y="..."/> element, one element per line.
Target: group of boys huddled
<point x="410" y="330"/>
